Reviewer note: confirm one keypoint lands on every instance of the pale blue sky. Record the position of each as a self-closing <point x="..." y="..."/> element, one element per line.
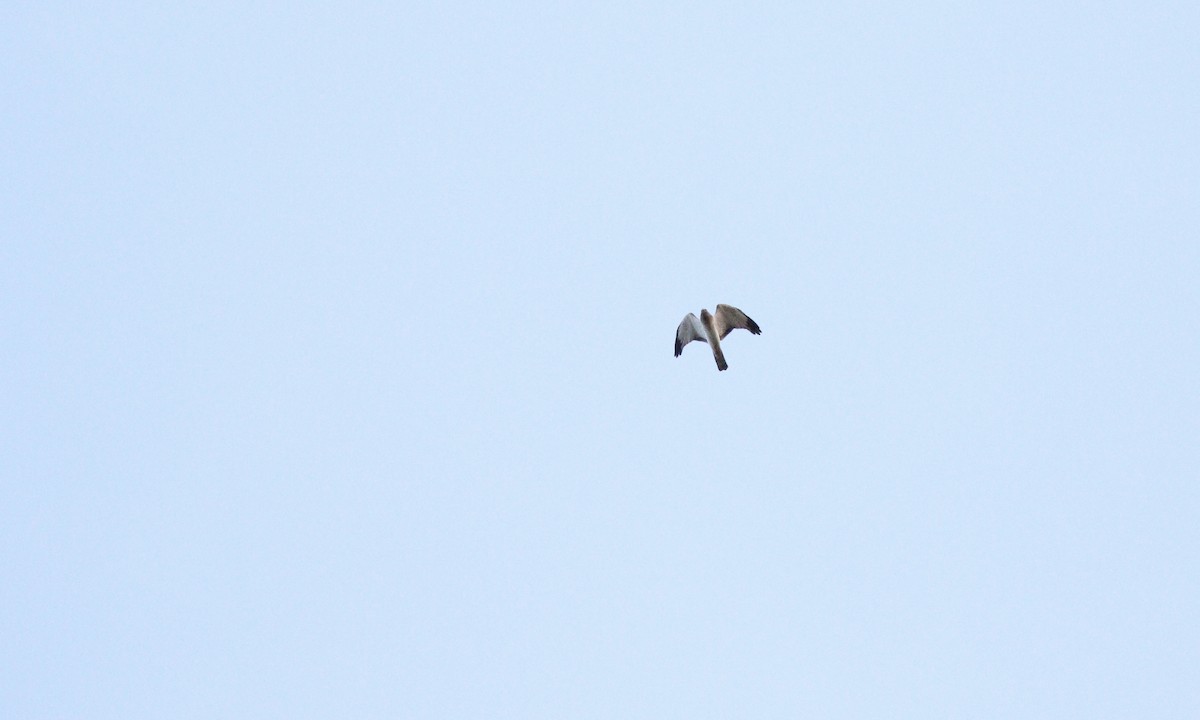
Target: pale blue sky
<point x="338" y="377"/>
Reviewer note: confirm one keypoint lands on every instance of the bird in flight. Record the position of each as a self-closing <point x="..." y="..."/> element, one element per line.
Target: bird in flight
<point x="712" y="329"/>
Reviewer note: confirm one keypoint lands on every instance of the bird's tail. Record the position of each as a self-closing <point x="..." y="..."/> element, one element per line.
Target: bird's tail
<point x="719" y="356"/>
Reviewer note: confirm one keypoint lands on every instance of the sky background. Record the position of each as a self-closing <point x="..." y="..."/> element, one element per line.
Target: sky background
<point x="338" y="381"/>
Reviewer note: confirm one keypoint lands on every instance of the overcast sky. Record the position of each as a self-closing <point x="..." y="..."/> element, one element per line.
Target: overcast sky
<point x="338" y="381"/>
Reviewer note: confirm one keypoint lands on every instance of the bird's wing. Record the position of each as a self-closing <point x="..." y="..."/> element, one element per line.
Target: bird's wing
<point x="690" y="329"/>
<point x="728" y="318"/>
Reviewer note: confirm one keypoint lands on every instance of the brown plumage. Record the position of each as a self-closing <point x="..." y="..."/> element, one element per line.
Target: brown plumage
<point x="712" y="329"/>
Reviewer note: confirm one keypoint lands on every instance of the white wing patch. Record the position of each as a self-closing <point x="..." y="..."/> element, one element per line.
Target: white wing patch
<point x="690" y="329"/>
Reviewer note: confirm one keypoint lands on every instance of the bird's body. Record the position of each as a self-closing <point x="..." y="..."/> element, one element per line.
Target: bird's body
<point x="714" y="338"/>
<point x="712" y="329"/>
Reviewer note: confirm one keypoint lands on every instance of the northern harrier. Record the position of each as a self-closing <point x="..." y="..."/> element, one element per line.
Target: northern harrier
<point x="712" y="329"/>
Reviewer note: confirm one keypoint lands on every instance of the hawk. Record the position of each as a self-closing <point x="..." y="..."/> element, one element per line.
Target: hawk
<point x="712" y="329"/>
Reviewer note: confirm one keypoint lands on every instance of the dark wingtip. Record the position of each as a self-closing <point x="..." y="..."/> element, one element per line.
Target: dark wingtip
<point x="678" y="348"/>
<point x="754" y="328"/>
